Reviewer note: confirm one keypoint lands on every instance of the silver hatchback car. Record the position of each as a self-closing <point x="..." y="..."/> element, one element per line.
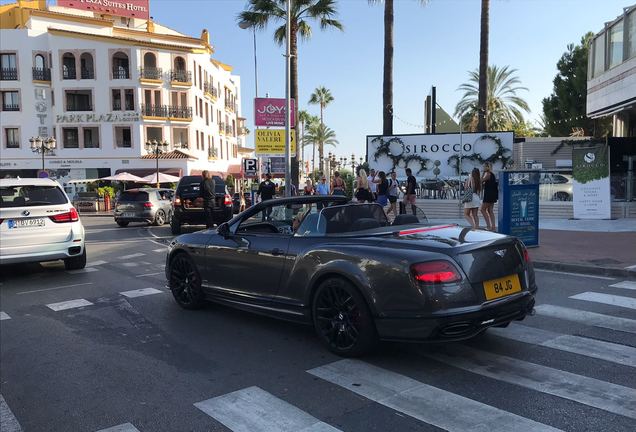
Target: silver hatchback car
<point x="149" y="205"/>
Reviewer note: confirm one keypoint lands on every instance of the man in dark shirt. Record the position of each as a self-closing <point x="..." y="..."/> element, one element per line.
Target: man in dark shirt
<point x="409" y="195"/>
<point x="208" y="193"/>
<point x="266" y="191"/>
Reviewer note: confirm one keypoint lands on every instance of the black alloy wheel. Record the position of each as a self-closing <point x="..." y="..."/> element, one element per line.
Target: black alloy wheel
<point x="185" y="282"/>
<point x="160" y="218"/>
<point x="122" y="224"/>
<point x="342" y="319"/>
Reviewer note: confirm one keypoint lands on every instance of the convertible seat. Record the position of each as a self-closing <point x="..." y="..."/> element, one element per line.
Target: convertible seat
<point x="405" y="219"/>
<point x="364" y="224"/>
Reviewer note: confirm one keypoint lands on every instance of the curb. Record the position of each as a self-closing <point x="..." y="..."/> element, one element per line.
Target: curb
<point x="95" y="215"/>
<point x="585" y="269"/>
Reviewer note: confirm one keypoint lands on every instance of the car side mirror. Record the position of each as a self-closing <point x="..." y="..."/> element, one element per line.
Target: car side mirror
<point x="224" y="230"/>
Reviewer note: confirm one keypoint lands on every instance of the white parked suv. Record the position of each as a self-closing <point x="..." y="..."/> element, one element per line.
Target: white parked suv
<point x="39" y="223"/>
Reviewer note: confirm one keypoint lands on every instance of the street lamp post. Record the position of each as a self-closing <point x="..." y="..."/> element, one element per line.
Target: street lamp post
<point x="155" y="148"/>
<point x="43" y="146"/>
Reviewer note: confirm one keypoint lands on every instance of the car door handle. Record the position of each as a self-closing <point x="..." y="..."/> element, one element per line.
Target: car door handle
<point x="276" y="252"/>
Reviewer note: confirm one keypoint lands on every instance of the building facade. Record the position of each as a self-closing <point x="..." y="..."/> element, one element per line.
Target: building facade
<point x="611" y="85"/>
<point x="103" y="86"/>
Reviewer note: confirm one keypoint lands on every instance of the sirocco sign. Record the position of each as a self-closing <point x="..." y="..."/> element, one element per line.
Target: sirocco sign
<point x="126" y="8"/>
<point x="271" y="112"/>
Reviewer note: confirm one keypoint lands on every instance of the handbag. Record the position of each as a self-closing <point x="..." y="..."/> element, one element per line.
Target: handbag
<point x="468" y="195"/>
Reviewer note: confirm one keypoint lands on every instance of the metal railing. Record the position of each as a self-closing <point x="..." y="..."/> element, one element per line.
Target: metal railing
<point x="87" y="73"/>
<point x="181" y="76"/>
<point x="69" y="73"/>
<point x="42" y="74"/>
<point x="13" y="144"/>
<point x="120" y="72"/>
<point x="151" y="73"/>
<point x="154" y="110"/>
<point x="10" y="107"/>
<point x="78" y="107"/>
<point x="180" y="112"/>
<point x="9" y="74"/>
<point x="211" y="89"/>
<point x="228" y="130"/>
<point x="231" y="106"/>
<point x="222" y="127"/>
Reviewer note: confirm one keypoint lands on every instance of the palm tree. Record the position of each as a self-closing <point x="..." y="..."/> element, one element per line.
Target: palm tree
<point x="387" y="80"/>
<point x="320" y="135"/>
<point x="321" y="96"/>
<point x="304" y="119"/>
<point x="504" y="107"/>
<point x="483" y="67"/>
<point x="260" y="12"/>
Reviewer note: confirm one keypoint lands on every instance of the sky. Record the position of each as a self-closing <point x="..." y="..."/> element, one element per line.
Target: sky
<point x="436" y="44"/>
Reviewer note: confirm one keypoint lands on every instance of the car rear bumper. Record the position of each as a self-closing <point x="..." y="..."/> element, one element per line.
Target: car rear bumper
<point x="145" y="216"/>
<point x="40" y="253"/>
<point x="456" y="326"/>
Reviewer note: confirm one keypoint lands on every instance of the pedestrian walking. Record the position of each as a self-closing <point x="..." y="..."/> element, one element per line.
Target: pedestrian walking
<point x="363" y="192"/>
<point x="382" y="183"/>
<point x="337" y="185"/>
<point x="409" y="195"/>
<point x="322" y="188"/>
<point x="373" y="187"/>
<point x="472" y="189"/>
<point x="393" y="194"/>
<point x="309" y="188"/>
<point x="491" y="194"/>
<point x="207" y="189"/>
<point x="266" y="191"/>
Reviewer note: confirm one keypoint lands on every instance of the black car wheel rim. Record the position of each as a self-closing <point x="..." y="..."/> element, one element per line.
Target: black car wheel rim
<point x="159" y="218"/>
<point x="183" y="280"/>
<point x="338" y="317"/>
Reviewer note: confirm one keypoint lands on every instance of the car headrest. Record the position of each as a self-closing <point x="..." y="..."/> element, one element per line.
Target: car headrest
<point x="405" y="219"/>
<point x="364" y="224"/>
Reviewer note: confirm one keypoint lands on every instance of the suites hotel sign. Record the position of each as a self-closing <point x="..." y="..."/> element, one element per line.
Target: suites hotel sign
<point x="125" y="8"/>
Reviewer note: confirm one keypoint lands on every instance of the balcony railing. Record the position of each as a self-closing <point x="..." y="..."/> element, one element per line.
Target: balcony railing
<point x="222" y="127"/>
<point x="231" y="106"/>
<point x="9" y="74"/>
<point x="42" y="74"/>
<point x="120" y="72"/>
<point x="210" y="89"/>
<point x="126" y="143"/>
<point x="10" y="107"/>
<point x="180" y="112"/>
<point x="152" y="73"/>
<point x="78" y="107"/>
<point x="242" y="130"/>
<point x="181" y="76"/>
<point x="228" y="130"/>
<point x="69" y="73"/>
<point x="154" y="110"/>
<point x="13" y="144"/>
<point x="87" y="73"/>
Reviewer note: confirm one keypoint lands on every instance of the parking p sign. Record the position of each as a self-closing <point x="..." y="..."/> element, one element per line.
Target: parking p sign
<point x="249" y="167"/>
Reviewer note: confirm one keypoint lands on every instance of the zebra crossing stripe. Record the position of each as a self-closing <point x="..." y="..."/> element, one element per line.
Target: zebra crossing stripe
<point x="610" y="397"/>
<point x="614" y="300"/>
<point x="587" y="318"/>
<point x="615" y="353"/>
<point x="429" y="404"/>
<point x="4" y="316"/>
<point x="135" y="255"/>
<point x="252" y="409"/>
<point x="625" y="284"/>
<point x="140" y="292"/>
<point x="96" y="263"/>
<point x="70" y="304"/>
<point x="8" y="422"/>
<point x="126" y="427"/>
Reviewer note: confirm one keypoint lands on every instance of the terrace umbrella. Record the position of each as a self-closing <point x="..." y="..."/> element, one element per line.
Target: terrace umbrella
<point x="163" y="178"/>
<point x="123" y="177"/>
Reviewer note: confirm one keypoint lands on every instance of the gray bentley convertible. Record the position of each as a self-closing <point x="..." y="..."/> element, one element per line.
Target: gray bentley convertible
<point x="356" y="278"/>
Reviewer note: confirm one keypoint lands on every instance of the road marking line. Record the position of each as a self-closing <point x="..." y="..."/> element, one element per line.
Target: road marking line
<point x="126" y="427"/>
<point x="588" y="318"/>
<point x="140" y="292"/>
<point x="101" y="242"/>
<point x="96" y="263"/>
<point x="252" y="409"/>
<point x="615" y="353"/>
<point x="574" y="274"/>
<point x="429" y="404"/>
<point x="135" y="255"/>
<point x="610" y="397"/>
<point x="70" y="304"/>
<point x="8" y="422"/>
<point x="84" y="270"/>
<point x="161" y="250"/>
<point x="631" y="267"/>
<point x="625" y="284"/>
<point x="4" y="316"/>
<point x="614" y="300"/>
<point x="149" y="274"/>
<point x="54" y="288"/>
<point x="130" y="264"/>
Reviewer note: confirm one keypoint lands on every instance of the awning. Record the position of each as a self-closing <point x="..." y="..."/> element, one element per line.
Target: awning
<point x="613" y="109"/>
<point x="174" y="154"/>
<point x="143" y="172"/>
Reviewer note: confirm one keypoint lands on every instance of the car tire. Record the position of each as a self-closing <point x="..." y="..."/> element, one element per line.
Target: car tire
<point x="160" y="218"/>
<point x="122" y="224"/>
<point x="175" y="226"/>
<point x="342" y="319"/>
<point x="76" y="262"/>
<point x="185" y="282"/>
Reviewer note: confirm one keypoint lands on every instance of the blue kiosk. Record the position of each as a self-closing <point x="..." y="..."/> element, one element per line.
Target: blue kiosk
<point x="519" y="205"/>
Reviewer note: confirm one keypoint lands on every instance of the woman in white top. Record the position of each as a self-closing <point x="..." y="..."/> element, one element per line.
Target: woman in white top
<point x="471" y="208"/>
<point x="362" y="192"/>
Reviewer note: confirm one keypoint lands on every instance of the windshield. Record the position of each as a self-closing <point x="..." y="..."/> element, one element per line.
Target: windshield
<point x="133" y="196"/>
<point x="30" y="195"/>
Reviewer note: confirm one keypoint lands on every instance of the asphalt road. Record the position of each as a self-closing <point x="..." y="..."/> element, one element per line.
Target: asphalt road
<point x="134" y="359"/>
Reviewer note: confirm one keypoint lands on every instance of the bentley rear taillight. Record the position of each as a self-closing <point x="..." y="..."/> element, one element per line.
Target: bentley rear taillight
<point x="526" y="255"/>
<point x="70" y="216"/>
<point x="434" y="272"/>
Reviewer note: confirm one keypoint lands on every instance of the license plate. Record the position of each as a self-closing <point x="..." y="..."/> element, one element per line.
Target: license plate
<point x="501" y="287"/>
<point x="25" y="223"/>
<point x="128" y="214"/>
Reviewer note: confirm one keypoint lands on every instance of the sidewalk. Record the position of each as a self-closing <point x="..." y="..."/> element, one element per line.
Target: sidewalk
<point x="603" y="247"/>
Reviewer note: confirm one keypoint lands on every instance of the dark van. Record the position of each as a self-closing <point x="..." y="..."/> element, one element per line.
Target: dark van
<point x="187" y="203"/>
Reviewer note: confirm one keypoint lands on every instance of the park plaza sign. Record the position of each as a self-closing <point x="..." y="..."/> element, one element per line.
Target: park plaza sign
<point x="97" y="118"/>
<point x="126" y="8"/>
